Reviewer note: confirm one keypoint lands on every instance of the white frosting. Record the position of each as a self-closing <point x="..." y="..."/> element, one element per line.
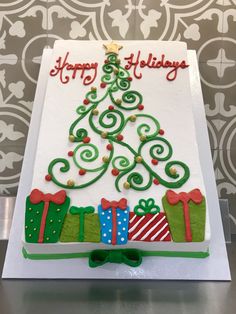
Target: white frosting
<point x="169" y="101"/>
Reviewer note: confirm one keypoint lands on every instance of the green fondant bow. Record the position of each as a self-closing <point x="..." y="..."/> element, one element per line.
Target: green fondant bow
<point x="146" y="207"/>
<point x="81" y="211"/>
<point x="130" y="257"/>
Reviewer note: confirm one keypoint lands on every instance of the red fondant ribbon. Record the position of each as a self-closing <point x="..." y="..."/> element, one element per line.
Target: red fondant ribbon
<point x="195" y="196"/>
<point x="36" y="196"/>
<point x="122" y="204"/>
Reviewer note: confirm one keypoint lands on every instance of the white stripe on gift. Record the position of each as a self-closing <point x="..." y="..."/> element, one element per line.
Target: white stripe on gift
<point x="133" y="219"/>
<point x="154" y="227"/>
<point x="137" y="223"/>
<point x="165" y="235"/>
<point x="144" y="227"/>
<point x="156" y="235"/>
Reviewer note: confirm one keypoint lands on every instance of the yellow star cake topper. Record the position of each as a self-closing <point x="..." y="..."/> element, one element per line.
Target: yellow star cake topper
<point x="112" y="48"/>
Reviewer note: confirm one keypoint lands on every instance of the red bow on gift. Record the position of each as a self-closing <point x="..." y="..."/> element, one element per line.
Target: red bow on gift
<point x="122" y="204"/>
<point x="194" y="196"/>
<point x="36" y="196"/>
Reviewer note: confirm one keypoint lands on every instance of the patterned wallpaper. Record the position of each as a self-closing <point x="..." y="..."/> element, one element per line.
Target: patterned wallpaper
<point x="209" y="26"/>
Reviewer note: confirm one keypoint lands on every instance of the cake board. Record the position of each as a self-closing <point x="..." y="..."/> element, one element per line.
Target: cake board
<point x="214" y="267"/>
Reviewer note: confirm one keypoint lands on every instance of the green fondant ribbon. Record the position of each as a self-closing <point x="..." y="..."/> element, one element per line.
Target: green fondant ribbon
<point x="81" y="211"/>
<point x="130" y="257"/>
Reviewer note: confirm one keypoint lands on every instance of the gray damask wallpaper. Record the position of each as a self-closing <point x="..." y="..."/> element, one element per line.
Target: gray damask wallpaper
<point x="209" y="26"/>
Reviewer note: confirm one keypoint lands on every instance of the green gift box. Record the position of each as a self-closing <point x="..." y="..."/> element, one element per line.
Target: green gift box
<point x="186" y="215"/>
<point x="81" y="225"/>
<point x="44" y="216"/>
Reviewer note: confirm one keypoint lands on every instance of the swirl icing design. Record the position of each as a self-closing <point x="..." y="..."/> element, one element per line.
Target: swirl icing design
<point x="109" y="124"/>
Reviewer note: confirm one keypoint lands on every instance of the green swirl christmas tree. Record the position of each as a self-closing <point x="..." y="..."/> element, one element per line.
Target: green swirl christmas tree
<point x="137" y="168"/>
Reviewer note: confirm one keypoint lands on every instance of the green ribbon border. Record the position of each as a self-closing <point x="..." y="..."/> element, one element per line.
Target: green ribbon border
<point x="87" y="254"/>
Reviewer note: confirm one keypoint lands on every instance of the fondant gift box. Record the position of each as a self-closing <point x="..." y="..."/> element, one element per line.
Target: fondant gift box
<point x="147" y="223"/>
<point x="81" y="225"/>
<point x="44" y="216"/>
<point x="114" y="218"/>
<point x="186" y="214"/>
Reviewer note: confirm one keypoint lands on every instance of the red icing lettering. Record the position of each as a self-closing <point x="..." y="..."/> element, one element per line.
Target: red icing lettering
<point x="154" y="63"/>
<point x="131" y="62"/>
<point x="63" y="68"/>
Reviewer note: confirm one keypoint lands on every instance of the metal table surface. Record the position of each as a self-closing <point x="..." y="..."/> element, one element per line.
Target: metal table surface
<point x="114" y="296"/>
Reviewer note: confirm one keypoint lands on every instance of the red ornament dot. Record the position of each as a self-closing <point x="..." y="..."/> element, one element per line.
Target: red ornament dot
<point x="86" y="101"/>
<point x="70" y="153"/>
<point x="161" y="132"/>
<point x="109" y="147"/>
<point x="111" y="107"/>
<point x="86" y="139"/>
<point x="120" y="137"/>
<point x="140" y="107"/>
<point x="156" y="182"/>
<point x="48" y="177"/>
<point x="106" y="61"/>
<point x="154" y="162"/>
<point x="130" y="78"/>
<point x="82" y="172"/>
<point x="115" y="172"/>
<point x="103" y="85"/>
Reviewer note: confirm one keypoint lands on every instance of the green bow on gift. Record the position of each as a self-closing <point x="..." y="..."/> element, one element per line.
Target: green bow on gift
<point x="146" y="207"/>
<point x="130" y="257"/>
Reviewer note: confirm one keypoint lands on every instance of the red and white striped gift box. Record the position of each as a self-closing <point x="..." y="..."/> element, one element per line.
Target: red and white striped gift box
<point x="148" y="228"/>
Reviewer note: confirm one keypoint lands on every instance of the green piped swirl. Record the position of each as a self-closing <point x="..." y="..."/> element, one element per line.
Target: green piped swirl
<point x="121" y="163"/>
<point x="112" y="120"/>
<point x="87" y="153"/>
<point x="123" y="84"/>
<point x="87" y="156"/>
<point x="135" y="178"/>
<point x="160" y="149"/>
<point x="79" y="133"/>
<point x="136" y="181"/>
<point x="145" y="128"/>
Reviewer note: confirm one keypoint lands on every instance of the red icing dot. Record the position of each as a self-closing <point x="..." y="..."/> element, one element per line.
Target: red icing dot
<point x="109" y="146"/>
<point x="154" y="162"/>
<point x="120" y="137"/>
<point x="86" y="101"/>
<point x="82" y="172"/>
<point x="129" y="78"/>
<point x="161" y="132"/>
<point x="106" y="61"/>
<point x="140" y="107"/>
<point x="111" y="107"/>
<point x="86" y="139"/>
<point x="156" y="182"/>
<point x="70" y="153"/>
<point x="103" y="85"/>
<point x="115" y="172"/>
<point x="48" y="177"/>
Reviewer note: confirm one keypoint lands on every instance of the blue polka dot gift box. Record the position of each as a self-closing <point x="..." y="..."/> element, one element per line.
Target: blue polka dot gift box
<point x="114" y="220"/>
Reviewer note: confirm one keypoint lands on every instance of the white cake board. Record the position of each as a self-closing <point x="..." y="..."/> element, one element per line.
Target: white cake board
<point x="215" y="267"/>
